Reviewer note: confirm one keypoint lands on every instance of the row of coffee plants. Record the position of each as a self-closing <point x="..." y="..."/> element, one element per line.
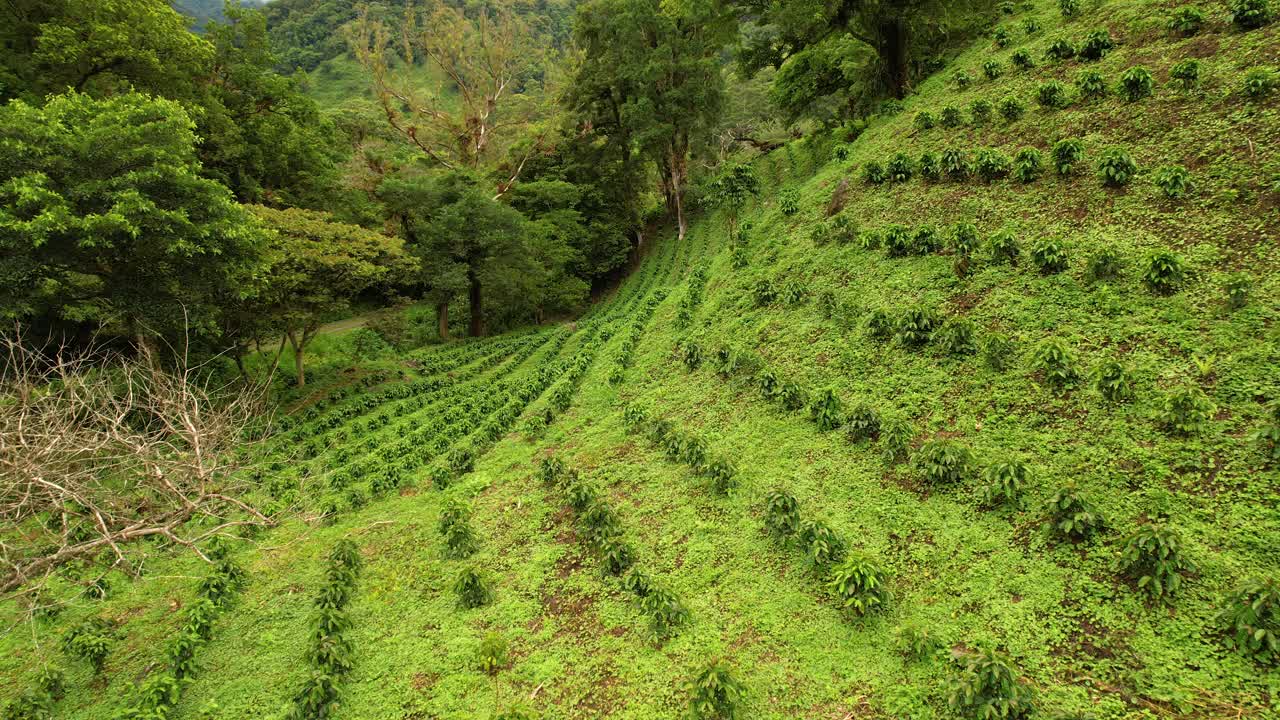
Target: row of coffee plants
<point x="692" y="297"/>
<point x="329" y="654"/>
<point x="600" y="527"/>
<point x="626" y="350"/>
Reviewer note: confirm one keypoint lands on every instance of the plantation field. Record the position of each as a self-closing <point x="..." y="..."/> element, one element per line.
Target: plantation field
<point x="988" y="391"/>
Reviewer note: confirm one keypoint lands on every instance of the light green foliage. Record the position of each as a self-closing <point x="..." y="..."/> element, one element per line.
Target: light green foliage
<point x="789" y="201"/>
<point x="1174" y="181"/>
<point x="917" y="642"/>
<point x="1113" y="380"/>
<point x="896" y="435"/>
<point x="1011" y="108"/>
<point x="492" y="654"/>
<point x="1091" y="84"/>
<point x="1060" y="49"/>
<point x="957" y="337"/>
<point x="781" y="514"/>
<point x="1002" y="36"/>
<point x="925" y="240"/>
<point x="715" y="694"/>
<point x="1259" y="82"/>
<point x="1186" y="411"/>
<point x="1116" y="167"/>
<point x="1186" y="20"/>
<point x="1251" y="617"/>
<point x="1049" y="254"/>
<point x="1004" y="484"/>
<point x="1186" y="72"/>
<point x="962" y="80"/>
<point x="1071" y="516"/>
<point x="826" y="410"/>
<point x="955" y="163"/>
<point x="89" y="641"/>
<point x="1136" y="83"/>
<point x="1052" y="95"/>
<point x="1153" y="557"/>
<point x="455" y="530"/>
<point x="945" y="462"/>
<point x="664" y="610"/>
<point x="859" y="584"/>
<point x="862" y="422"/>
<point x="1166" y="272"/>
<point x="1057" y="363"/>
<point x="985" y="685"/>
<point x="1238" y="288"/>
<point x="822" y="547"/>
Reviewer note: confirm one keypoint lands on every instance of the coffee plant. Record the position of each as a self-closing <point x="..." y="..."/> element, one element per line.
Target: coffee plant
<point x="1004" y="248"/>
<point x="1116" y="167"/>
<point x="765" y="292"/>
<point x="991" y="164"/>
<point x="792" y="396"/>
<point x="950" y="117"/>
<point x="1091" y="84"/>
<point x="455" y="529"/>
<point x="1174" y="181"/>
<point x="944" y="461"/>
<point x="955" y="163"/>
<point x="916" y="326"/>
<point x="985" y="686"/>
<point x="1069" y="8"/>
<point x="899" y="168"/>
<point x="1186" y="72"/>
<point x="1136" y="83"/>
<point x="1152" y="556"/>
<point x="1004" y="484"/>
<point x="1060" y="49"/>
<point x="1030" y="26"/>
<point x="873" y="173"/>
<point x="1250" y="14"/>
<point x="992" y="69"/>
<point x="471" y="589"/>
<point x="924" y="120"/>
<point x="691" y="354"/>
<point x="1028" y="165"/>
<point x="1186" y="411"/>
<point x="1011" y="109"/>
<point x="916" y="642"/>
<point x="723" y="476"/>
<point x="997" y="352"/>
<point x="930" y="166"/>
<point x="925" y="240"/>
<point x="1052" y="95"/>
<point x="1259" y="82"/>
<point x="664" y="610"/>
<point x="1058" y="364"/>
<point x="1105" y="264"/>
<point x="1002" y="36"/>
<point x="980" y="111"/>
<point x="1096" y="45"/>
<point x="89" y="641"/>
<point x="895" y="438"/>
<point x="492" y="654"/>
<point x="862" y="423"/>
<point x="897" y="241"/>
<point x="1166" y="273"/>
<point x="879" y="325"/>
<point x="962" y="79"/>
<point x="1049" y="255"/>
<point x="1068" y="154"/>
<point x="330" y="652"/>
<point x="956" y="337"/>
<point x="826" y="410"/>
<point x="1021" y="59"/>
<point x="1251" y="618"/>
<point x="789" y="201"/>
<point x="781" y="514"/>
<point x="822" y="547"/>
<point x="1187" y="20"/>
<point x="1113" y="381"/>
<point x="714" y="694"/>
<point x="1238" y="287"/>
<point x="964" y="243"/>
<point x="1071" y="516"/>
<point x="859" y="584"/>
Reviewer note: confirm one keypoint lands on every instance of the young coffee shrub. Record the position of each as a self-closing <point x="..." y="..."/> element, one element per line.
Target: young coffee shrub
<point x="739" y="258"/>
<point x="691" y="354"/>
<point x="897" y="241"/>
<point x="964" y="243"/>
<point x="997" y="352"/>
<point x="1021" y="59"/>
<point x="781" y="514"/>
<point x="895" y="438"/>
<point x="492" y="654"/>
<point x="1004" y="484"/>
<point x="1259" y="82"/>
<point x="765" y="293"/>
<point x="664" y="610"/>
<point x="1251" y="618"/>
<point x="1030" y="26"/>
<point x="930" y="167"/>
<point x="980" y="111"/>
<point x="1011" y="109"/>
<point x="962" y="79"/>
<point x="1174" y="181"/>
<point x="862" y="423"/>
<point x="1096" y="45"/>
<point x="1238" y="287"/>
<point x="916" y="326"/>
<point x="955" y="163"/>
<point x="1091" y="84"/>
<point x="455" y="530"/>
<point x="1068" y="156"/>
<point x="714" y="694"/>
<point x="1028" y="165"/>
<point x="826" y="411"/>
<point x="1002" y="36"/>
<point x="986" y="686"/>
<point x="944" y="461"/>
<point x="1186" y="72"/>
<point x="1004" y="248"/>
<point x="792" y="396"/>
<point x="1187" y="20"/>
<point x="899" y="168"/>
<point x="1104" y="264"/>
<point x="916" y="642"/>
<point x="1069" y="8"/>
<point x="1113" y="381"/>
<point x="828" y="304"/>
<point x="1250" y="14"/>
<point x="869" y="239"/>
<point x="925" y="240"/>
<point x="1049" y="254"/>
<point x="1152" y="557"/>
<point x="873" y="173"/>
<point x="1116" y="167"/>
<point x="637" y="582"/>
<point x="1052" y="95"/>
<point x="471" y="589"/>
<point x="89" y="641"/>
<point x="879" y="325"/>
<point x="950" y="117"/>
<point x="860" y="585"/>
<point x="789" y="201"/>
<point x="616" y="554"/>
<point x="792" y="292"/>
<point x="844" y="229"/>
<point x="1186" y="411"/>
<point x="1058" y="364"/>
<point x="1166" y="272"/>
<point x="1136" y="83"/>
<point x="956" y="337"/>
<point x="992" y="69"/>
<point x="823" y="548"/>
<point x="991" y="164"/>
<point x="924" y="120"/>
<point x="1060" y="49"/>
<point x="1071" y="516"/>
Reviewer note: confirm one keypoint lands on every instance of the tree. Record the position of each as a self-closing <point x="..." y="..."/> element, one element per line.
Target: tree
<point x="315" y="266"/>
<point x="105" y="219"/>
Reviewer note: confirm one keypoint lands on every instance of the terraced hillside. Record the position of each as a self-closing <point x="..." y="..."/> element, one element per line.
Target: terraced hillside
<point x="972" y="398"/>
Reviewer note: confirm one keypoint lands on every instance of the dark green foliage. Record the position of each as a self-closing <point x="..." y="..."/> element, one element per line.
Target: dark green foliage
<point x="962" y="79"/>
<point x="1152" y="556"/>
<point x="956" y="337"/>
<point x="964" y="243"/>
<point x="985" y="685"/>
<point x="1060" y="49"/>
<point x="1002" y="36"/>
<point x="899" y="168"/>
<point x="1174" y="181"/>
<point x="1136" y="83"/>
<point x="916" y="326"/>
<point x="723" y="476"/>
<point x="1028" y="165"/>
<point x="944" y="461"/>
<point x="1071" y="516"/>
<point x="896" y="434"/>
<point x="1052" y="95"/>
<point x="792" y="292"/>
<point x="859" y="584"/>
<point x="691" y="354"/>
<point x="1166" y="272"/>
<point x="664" y="610"/>
<point x="714" y="694"/>
<point x="1116" y="167"/>
<point x="1251" y="618"/>
<point x="897" y="241"/>
<point x="781" y="514"/>
<point x="1058" y="364"/>
<point x="1011" y="109"/>
<point x="1021" y="59"/>
<point x="1069" y="8"/>
<point x="1187" y="20"/>
<point x="1068" y="155"/>
<point x="873" y="173"/>
<point x="765" y="292"/>
<point x="862" y="423"/>
<point x="980" y="111"/>
<point x="1091" y="84"/>
<point x="879" y="324"/>
<point x="1049" y="254"/>
<point x="1113" y="381"/>
<point x="1105" y="264"/>
<point x="950" y="117"/>
<point x="1004" y="248"/>
<point x="471" y="589"/>
<point x="1030" y="26"/>
<point x="789" y="201"/>
<point x="616" y="554"/>
<point x="455" y="530"/>
<point x="1186" y="72"/>
<point x="992" y="69"/>
<point x="1250" y="14"/>
<point x="1238" y="287"/>
<point x="826" y="410"/>
<point x="1186" y="411"/>
<point x="930" y="166"/>
<point x="791" y="396"/>
<point x="955" y="163"/>
<point x="997" y="351"/>
<point x="1004" y="484"/>
<point x="1096" y="45"/>
<point x="925" y="240"/>
<point x="822" y="547"/>
<point x="844" y="229"/>
<point x="924" y="120"/>
<point x="1259" y="82"/>
<point x="89" y="641"/>
<point x="492" y="654"/>
<point x="991" y="164"/>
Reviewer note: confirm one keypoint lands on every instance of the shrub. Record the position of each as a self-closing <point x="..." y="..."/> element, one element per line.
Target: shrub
<point x="1259" y="82"/>
<point x="691" y="354"/>
<point x="89" y="641"/>
<point x="1021" y="59"/>
<point x="765" y="292"/>
<point x="997" y="351"/>
<point x="1113" y="381"/>
<point x="955" y="163"/>
<point x="899" y="168"/>
<point x="980" y="111"/>
<point x="950" y="117"/>
<point x="616" y="554"/>
<point x="1238" y="288"/>
<point x="916" y="326"/>
<point x="1166" y="272"/>
<point x="781" y="514"/>
<point x="1250" y="14"/>
<point x="859" y="584"/>
<point x="879" y="325"/>
<point x="1186" y="411"/>
<point x="455" y="529"/>
<point x="862" y="423"/>
<point x="1103" y="265"/>
<point x="945" y="461"/>
<point x="1136" y="83"/>
<point x="739" y="258"/>
<point x="1071" y="516"/>
<point x="1004" y="483"/>
<point x="1091" y="84"/>
<point x="1174" y="181"/>
<point x="826" y="410"/>
<point x="917" y="642"/>
<point x="1187" y="20"/>
<point x="956" y="337"/>
<point x="964" y="242"/>
<point x="1068" y="154"/>
<point x="991" y="164"/>
<point x="1049" y="255"/>
<point x="714" y="694"/>
<point x="1153" y="557"/>
<point x="1028" y="165"/>
<point x="1069" y="8"/>
<point x="873" y="173"/>
<point x="924" y="120"/>
<point x="1052" y="95"/>
<point x="895" y="438"/>
<point x="962" y="79"/>
<point x="471" y="589"/>
<point x="1186" y="72"/>
<point x="1004" y="247"/>
<point x="828" y="304"/>
<point x="925" y="240"/>
<point x="791" y="396"/>
<point x="1116" y="167"/>
<point x="492" y="654"/>
<point x="1011" y="108"/>
<point x="822" y="547"/>
<point x="1058" y="364"/>
<point x="792" y="292"/>
<point x="992" y="69"/>
<point x="1251" y="617"/>
<point x="897" y="241"/>
<point x="789" y="201"/>
<point x="844" y="229"/>
<point x="664" y="609"/>
<point x="930" y="166"/>
<point x="1060" y="49"/>
<point x="985" y="684"/>
<point x="1002" y="36"/>
<point x="1096" y="45"/>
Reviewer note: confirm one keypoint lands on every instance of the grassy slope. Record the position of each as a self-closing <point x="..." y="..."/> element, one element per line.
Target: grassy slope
<point x="580" y="649"/>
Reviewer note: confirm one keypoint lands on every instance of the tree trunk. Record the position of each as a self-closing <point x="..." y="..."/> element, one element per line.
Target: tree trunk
<point x="476" y="300"/>
<point x="297" y="355"/>
<point x="442" y="319"/>
<point x="675" y="187"/>
<point x="893" y="55"/>
<point x="239" y="354"/>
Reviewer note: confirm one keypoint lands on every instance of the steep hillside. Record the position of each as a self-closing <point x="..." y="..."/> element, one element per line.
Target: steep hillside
<point x="982" y="387"/>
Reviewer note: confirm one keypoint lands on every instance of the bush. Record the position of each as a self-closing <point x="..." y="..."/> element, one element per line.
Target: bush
<point x="1153" y="557"/>
<point x="917" y="642"/>
<point x="1060" y="49"/>
<point x="455" y="529"/>
<point x="1052" y="95"/>
<point x="924" y="120"/>
<point x="1049" y="255"/>
<point x="1251" y="618"/>
<point x="964" y="243"/>
<point x="781" y="514"/>
<point x="1103" y="265"/>
<point x="1096" y="45"/>
<point x="1030" y="26"/>
<point x="895" y="438"/>
<point x="916" y="326"/>
<point x="1259" y="82"/>
<point x="789" y="201"/>
<point x="955" y="163"/>
<point x="1011" y="108"/>
<point x="985" y="685"/>
<point x="980" y="111"/>
<point x="997" y="351"/>
<point x="1028" y="165"/>
<point x="1238" y="288"/>
<point x="1069" y="8"/>
<point x="1113" y="381"/>
<point x="1004" y="247"/>
<point x="471" y="589"/>
<point x="826" y="410"/>
<point x="792" y="292"/>
<point x="1186" y="72"/>
<point x="930" y="166"/>
<point x="859" y="584"/>
<point x="822" y="547"/>
<point x="1187" y="20"/>
<point x="492" y="654"/>
<point x="1116" y="167"/>
<point x="925" y="240"/>
<point x="1250" y="14"/>
<point x="1004" y="483"/>
<point x="1186" y="411"/>
<point x="765" y="292"/>
<point x="945" y="461"/>
<point x="1166" y="272"/>
<point x="899" y="168"/>
<point x="1021" y="59"/>
<point x="962" y="79"/>
<point x="1174" y="181"/>
<point x="1136" y="83"/>
<point x="956" y="337"/>
<point x="664" y="609"/>
<point x="897" y="241"/>
<point x="1068" y="154"/>
<point x="1058" y="364"/>
<point x="1071" y="516"/>
<point x="691" y="354"/>
<point x="879" y="325"/>
<point x="950" y="117"/>
<point x="1002" y="36"/>
<point x="1091" y="84"/>
<point x="714" y="694"/>
<point x="991" y="164"/>
<point x="992" y="69"/>
<point x="89" y="641"/>
<point x="862" y="423"/>
<point x="844" y="229"/>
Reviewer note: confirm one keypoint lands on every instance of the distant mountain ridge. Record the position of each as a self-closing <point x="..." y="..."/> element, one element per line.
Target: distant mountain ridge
<point x="202" y="12"/>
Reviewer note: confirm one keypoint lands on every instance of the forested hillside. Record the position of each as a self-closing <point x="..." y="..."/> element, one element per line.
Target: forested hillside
<point x="822" y="360"/>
